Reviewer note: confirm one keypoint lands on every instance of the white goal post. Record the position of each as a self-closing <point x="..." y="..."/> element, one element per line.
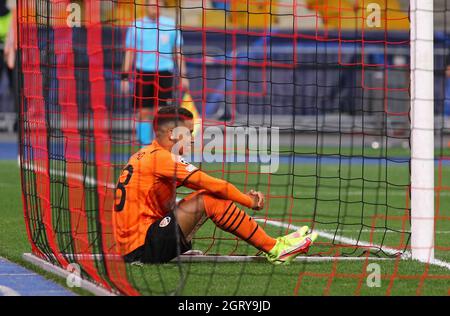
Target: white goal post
<point x="422" y="130"/>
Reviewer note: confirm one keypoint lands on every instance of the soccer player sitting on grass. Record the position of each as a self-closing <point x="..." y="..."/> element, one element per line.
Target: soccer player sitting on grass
<point x="151" y="227"/>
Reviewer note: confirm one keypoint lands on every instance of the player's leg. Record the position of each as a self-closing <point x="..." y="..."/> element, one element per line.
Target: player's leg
<point x="165" y="88"/>
<point x="190" y="214"/>
<point x="164" y="241"/>
<point x="171" y="236"/>
<point x="146" y="97"/>
<point x="225" y="214"/>
<point x="192" y="211"/>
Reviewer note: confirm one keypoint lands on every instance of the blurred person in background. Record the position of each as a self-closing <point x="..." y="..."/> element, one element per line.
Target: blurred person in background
<point x="5" y="25"/>
<point x="221" y="4"/>
<point x="153" y="54"/>
<point x="8" y="55"/>
<point x="447" y="87"/>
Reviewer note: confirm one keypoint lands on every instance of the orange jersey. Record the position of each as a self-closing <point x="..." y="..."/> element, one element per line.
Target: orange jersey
<point x="146" y="192"/>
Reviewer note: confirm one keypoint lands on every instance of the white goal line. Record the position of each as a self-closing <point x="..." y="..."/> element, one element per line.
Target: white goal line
<point x="350" y="241"/>
<point x="378" y="230"/>
<point x="110" y="185"/>
<point x="62" y="173"/>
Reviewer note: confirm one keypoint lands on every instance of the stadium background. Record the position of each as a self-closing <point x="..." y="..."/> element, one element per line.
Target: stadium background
<point x="327" y="68"/>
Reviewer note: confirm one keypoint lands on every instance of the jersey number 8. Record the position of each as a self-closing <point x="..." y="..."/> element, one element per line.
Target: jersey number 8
<point x="121" y="187"/>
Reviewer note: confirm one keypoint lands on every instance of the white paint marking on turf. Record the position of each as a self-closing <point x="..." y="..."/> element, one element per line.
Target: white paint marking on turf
<point x="367" y="192"/>
<point x="14" y="274"/>
<point x="387" y="231"/>
<point x="79" y="177"/>
<point x="324" y="234"/>
<point x="92" y="181"/>
<point x="351" y="241"/>
<point x="6" y="291"/>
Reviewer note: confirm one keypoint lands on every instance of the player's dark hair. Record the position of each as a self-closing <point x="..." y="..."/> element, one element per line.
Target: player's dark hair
<point x="171" y="114"/>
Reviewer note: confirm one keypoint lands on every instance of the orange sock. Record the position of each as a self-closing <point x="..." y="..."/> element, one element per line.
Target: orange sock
<point x="227" y="216"/>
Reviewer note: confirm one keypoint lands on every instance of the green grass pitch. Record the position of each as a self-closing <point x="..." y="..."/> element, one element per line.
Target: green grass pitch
<point x="348" y="202"/>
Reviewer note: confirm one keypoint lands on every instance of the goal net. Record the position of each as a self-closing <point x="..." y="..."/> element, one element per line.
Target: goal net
<point x="310" y="102"/>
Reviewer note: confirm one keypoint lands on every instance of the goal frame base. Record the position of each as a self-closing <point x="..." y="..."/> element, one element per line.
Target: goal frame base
<point x="51" y="268"/>
<point x="195" y="258"/>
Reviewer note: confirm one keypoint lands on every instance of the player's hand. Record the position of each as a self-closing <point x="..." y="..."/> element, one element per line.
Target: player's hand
<point x="258" y="199"/>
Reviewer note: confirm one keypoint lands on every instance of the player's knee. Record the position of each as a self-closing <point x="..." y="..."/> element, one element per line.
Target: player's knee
<point x="208" y="203"/>
<point x="214" y="206"/>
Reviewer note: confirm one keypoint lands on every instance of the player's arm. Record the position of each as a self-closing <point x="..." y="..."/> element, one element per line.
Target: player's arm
<point x="189" y="176"/>
<point x="223" y="189"/>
